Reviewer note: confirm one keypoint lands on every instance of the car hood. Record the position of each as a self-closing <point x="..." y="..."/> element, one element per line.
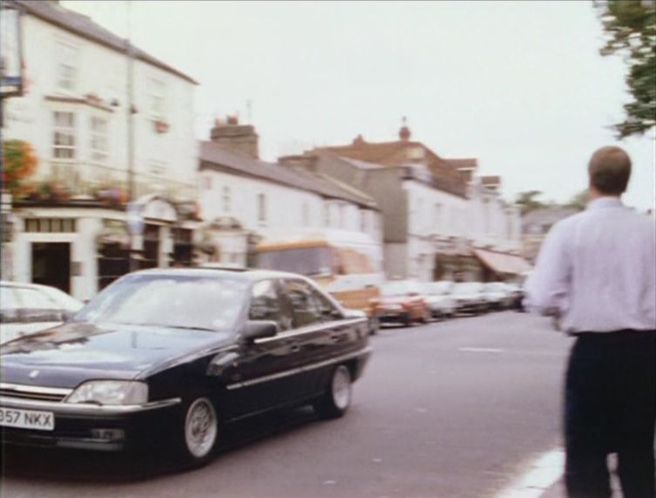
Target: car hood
<point x="72" y="353"/>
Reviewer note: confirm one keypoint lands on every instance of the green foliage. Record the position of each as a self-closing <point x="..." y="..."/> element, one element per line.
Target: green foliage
<point x="630" y="29"/>
<point x="528" y="202"/>
<point x="579" y="201"/>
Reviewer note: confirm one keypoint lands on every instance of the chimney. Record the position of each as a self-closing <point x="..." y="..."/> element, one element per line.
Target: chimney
<point x="234" y="137"/>
<point x="404" y="132"/>
<point x="491" y="182"/>
<point x="359" y="140"/>
<point x="305" y="161"/>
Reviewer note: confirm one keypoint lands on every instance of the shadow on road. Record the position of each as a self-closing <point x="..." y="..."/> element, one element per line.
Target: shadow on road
<point x="63" y="465"/>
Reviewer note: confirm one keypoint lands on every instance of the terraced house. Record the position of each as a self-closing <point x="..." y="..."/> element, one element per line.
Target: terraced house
<point x="85" y="85"/>
<point x="441" y="219"/>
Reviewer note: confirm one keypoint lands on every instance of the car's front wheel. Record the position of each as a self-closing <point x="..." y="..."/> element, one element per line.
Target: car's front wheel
<point x="337" y="398"/>
<point x="200" y="431"/>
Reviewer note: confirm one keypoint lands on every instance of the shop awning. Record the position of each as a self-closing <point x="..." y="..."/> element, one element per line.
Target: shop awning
<point x="500" y="262"/>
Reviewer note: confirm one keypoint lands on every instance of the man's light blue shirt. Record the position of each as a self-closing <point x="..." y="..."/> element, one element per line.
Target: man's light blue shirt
<point x="598" y="269"/>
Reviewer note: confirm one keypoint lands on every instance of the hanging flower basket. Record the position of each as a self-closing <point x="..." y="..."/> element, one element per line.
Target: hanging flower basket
<point x="161" y="126"/>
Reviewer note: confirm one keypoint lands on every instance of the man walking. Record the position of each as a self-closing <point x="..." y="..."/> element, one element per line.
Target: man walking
<point x="597" y="272"/>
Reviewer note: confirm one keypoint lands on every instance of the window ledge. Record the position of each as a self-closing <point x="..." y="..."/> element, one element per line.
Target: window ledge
<point x="77" y="100"/>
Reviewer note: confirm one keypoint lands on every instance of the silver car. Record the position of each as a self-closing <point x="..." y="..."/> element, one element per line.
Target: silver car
<point x="29" y="308"/>
<point x="469" y="297"/>
<point x="438" y="298"/>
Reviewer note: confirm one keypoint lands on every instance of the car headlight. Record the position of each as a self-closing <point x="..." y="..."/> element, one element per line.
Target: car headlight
<point x="110" y="392"/>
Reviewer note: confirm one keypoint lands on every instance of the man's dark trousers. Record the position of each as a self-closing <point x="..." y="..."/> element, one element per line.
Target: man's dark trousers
<point x="610" y="407"/>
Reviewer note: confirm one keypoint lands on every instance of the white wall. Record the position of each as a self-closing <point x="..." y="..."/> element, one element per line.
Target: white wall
<point x="103" y="71"/>
<point x="284" y="205"/>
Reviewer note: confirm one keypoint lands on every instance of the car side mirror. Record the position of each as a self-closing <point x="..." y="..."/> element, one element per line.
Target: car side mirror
<point x="259" y="329"/>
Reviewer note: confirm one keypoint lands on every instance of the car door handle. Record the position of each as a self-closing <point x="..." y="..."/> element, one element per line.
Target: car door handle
<point x="334" y="337"/>
<point x="295" y="349"/>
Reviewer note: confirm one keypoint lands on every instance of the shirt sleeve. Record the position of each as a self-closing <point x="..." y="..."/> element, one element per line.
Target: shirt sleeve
<point x="547" y="288"/>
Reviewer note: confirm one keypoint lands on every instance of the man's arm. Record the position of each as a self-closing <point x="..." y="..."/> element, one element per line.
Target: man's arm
<point x="548" y="286"/>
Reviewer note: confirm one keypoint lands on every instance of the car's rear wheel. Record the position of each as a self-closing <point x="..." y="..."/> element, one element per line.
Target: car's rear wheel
<point x="200" y="431"/>
<point x="337" y="398"/>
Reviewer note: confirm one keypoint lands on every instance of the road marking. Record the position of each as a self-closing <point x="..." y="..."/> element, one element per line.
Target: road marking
<point x="481" y="350"/>
<point x="539" y="477"/>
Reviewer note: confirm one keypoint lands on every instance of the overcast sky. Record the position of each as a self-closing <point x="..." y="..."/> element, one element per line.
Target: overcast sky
<point x="519" y="85"/>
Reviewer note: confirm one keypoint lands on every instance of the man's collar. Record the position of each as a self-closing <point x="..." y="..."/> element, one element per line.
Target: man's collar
<point x="605" y="202"/>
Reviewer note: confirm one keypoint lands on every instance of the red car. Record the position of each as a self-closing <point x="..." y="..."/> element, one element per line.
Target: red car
<point x="400" y="302"/>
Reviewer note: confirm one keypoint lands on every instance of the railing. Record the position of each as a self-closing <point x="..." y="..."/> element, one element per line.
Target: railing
<point x="90" y="179"/>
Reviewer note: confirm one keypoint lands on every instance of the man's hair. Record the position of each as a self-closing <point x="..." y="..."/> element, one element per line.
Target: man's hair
<point x="609" y="169"/>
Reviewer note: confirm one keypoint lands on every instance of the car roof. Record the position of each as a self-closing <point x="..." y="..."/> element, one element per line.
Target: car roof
<point x="242" y="273"/>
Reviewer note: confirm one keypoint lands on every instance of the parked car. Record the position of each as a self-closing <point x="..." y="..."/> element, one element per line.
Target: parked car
<point x="29" y="308"/>
<point x="400" y="302"/>
<point x="469" y="297"/>
<point x="516" y="296"/>
<point x="164" y="358"/>
<point x="497" y="295"/>
<point x="438" y="298"/>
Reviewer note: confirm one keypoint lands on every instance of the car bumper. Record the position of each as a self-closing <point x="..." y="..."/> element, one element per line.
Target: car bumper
<point x="94" y="427"/>
<point x="389" y="316"/>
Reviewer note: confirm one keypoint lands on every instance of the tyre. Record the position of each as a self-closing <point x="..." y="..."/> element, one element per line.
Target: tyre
<point x="199" y="432"/>
<point x="337" y="398"/>
<point x="374" y="325"/>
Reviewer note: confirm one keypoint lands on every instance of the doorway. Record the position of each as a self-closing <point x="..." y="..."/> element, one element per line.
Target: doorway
<point x="51" y="264"/>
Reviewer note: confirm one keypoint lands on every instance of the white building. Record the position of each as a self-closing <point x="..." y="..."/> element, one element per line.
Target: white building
<point x="70" y="224"/>
<point x="244" y="200"/>
<point x="441" y="221"/>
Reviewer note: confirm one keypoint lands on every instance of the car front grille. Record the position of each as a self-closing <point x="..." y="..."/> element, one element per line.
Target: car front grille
<point x="37" y="393"/>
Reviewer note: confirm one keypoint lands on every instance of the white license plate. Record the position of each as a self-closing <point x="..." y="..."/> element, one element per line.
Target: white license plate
<point x="27" y="419"/>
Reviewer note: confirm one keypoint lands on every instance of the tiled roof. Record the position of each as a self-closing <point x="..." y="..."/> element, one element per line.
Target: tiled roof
<point x="491" y="180"/>
<point x="466" y="162"/>
<point x="83" y="26"/>
<point x="213" y="156"/>
<point x="395" y="153"/>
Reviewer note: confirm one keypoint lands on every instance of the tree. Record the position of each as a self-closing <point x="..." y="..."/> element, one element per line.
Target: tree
<point x="20" y="162"/>
<point x="630" y="29"/>
<point x="527" y="201"/>
<point x="579" y="201"/>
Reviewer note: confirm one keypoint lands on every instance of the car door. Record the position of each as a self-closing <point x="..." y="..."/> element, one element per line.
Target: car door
<point x="322" y="334"/>
<point x="267" y="367"/>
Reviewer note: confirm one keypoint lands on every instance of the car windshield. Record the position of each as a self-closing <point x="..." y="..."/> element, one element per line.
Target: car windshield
<point x="177" y="301"/>
<point x="438" y="288"/>
<point x="467" y="287"/>
<point x="397" y="289"/>
<point x="63" y="300"/>
<point x="310" y="262"/>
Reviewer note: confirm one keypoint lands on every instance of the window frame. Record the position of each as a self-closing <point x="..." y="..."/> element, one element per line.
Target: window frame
<point x="286" y="320"/>
<point x="98" y="154"/>
<point x="69" y="130"/>
<point x="157" y="92"/>
<point x="67" y="56"/>
<point x="261" y="208"/>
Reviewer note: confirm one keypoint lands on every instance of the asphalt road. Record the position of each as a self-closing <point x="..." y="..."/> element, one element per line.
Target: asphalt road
<point x="453" y="409"/>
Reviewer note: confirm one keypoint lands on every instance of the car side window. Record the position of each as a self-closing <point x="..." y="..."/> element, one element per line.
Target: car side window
<point x="327" y="309"/>
<point x="305" y="306"/>
<point x="267" y="305"/>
